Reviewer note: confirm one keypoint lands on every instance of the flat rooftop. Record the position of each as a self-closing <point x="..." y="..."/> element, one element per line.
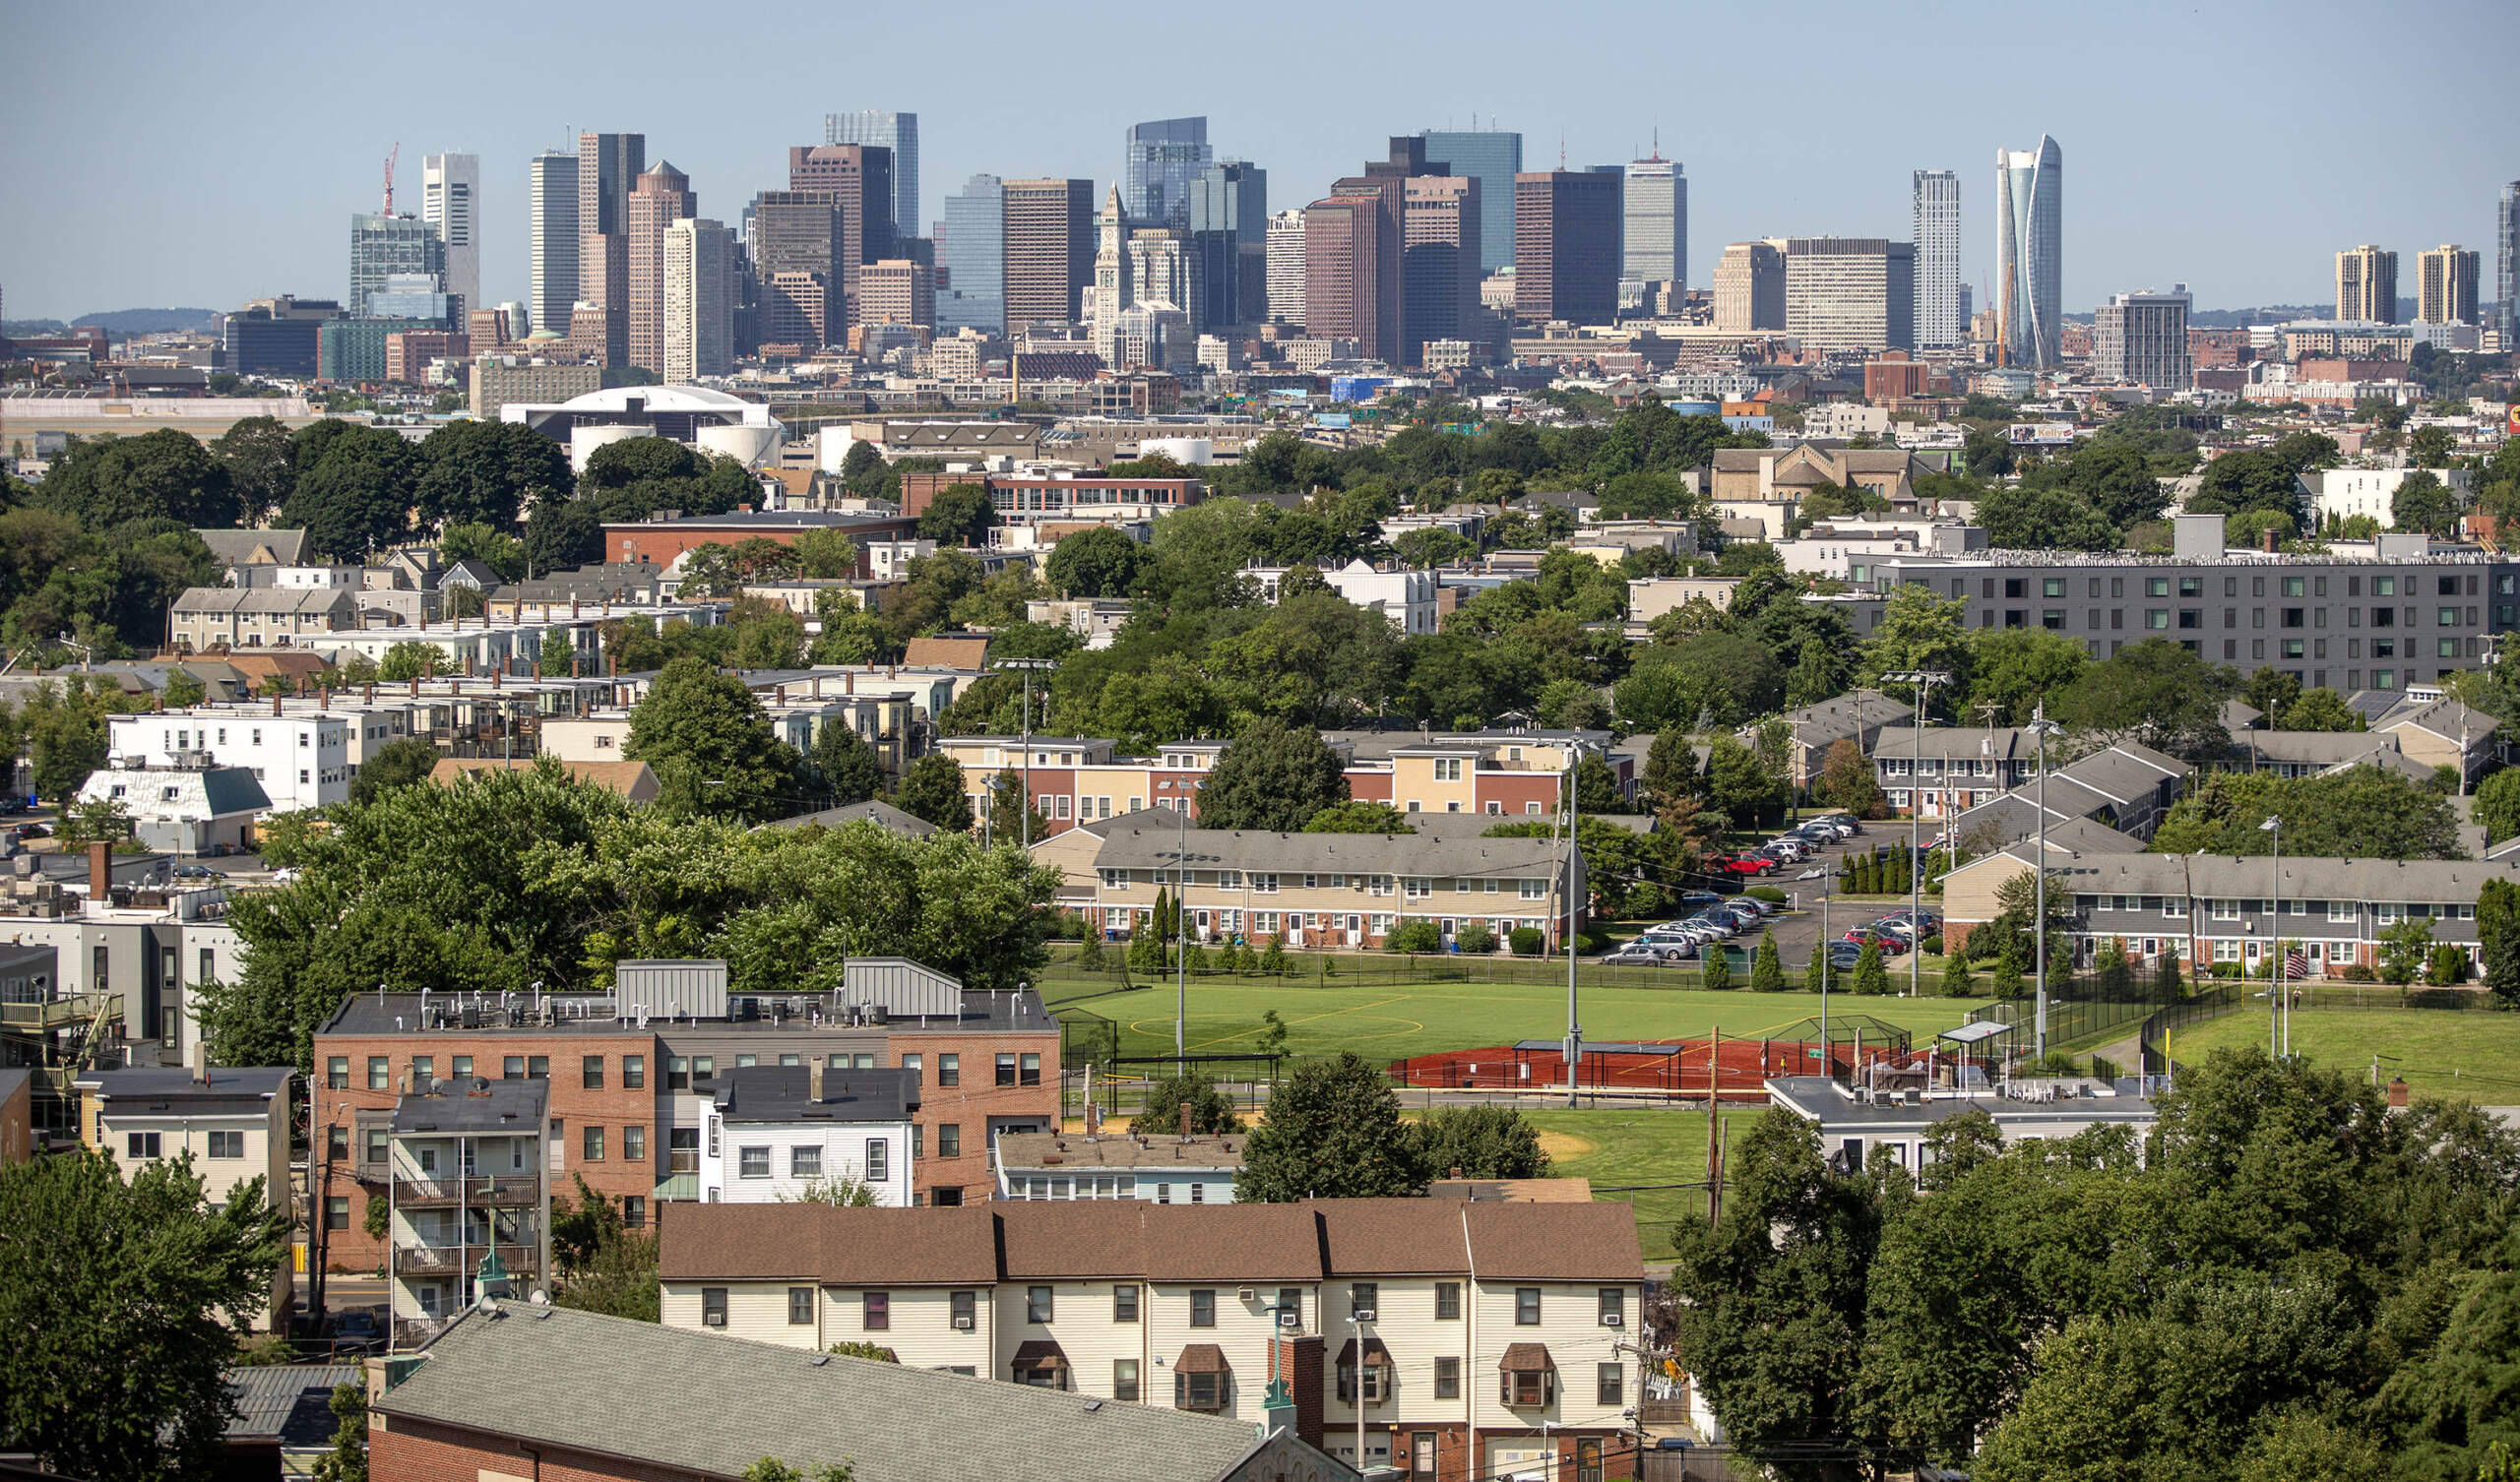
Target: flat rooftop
<point x="1822" y="1101"/>
<point x="1050" y="1149"/>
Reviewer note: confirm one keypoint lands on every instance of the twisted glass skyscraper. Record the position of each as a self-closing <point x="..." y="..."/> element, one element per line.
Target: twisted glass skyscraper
<point x="2030" y="251"/>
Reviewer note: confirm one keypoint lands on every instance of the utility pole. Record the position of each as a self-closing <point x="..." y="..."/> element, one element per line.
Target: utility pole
<point x="1921" y="680"/>
<point x="2278" y="1040"/>
<point x="1024" y="823"/>
<point x="1574" y="854"/>
<point x="2042" y="727"/>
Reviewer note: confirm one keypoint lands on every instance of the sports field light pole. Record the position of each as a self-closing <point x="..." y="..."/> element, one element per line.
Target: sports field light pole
<point x="1575" y="750"/>
<point x="2042" y="727"/>
<point x="2277" y="1041"/>
<point x="1921" y="680"/>
<point x="1181" y="918"/>
<point x="1023" y="821"/>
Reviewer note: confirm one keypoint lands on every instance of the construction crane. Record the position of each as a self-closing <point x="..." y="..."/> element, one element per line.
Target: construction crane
<point x="389" y="176"/>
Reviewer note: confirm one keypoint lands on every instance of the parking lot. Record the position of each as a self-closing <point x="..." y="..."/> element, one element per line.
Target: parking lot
<point x="1811" y="902"/>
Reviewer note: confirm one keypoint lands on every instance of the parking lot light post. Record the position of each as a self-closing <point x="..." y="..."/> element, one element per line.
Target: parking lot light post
<point x="1920" y="680"/>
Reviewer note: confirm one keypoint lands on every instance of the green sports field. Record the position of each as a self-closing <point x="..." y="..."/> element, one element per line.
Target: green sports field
<point x="2471" y="1055"/>
<point x="1617" y="1148"/>
<point x="1396" y="1019"/>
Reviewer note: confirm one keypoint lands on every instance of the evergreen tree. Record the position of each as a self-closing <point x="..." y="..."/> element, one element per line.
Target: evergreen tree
<point x="1815" y="969"/>
<point x="1767" y="971"/>
<point x="2005" y="980"/>
<point x="1272" y="961"/>
<point x="1715" y="974"/>
<point x="1872" y="978"/>
<point x="2166" y="986"/>
<point x="1957" y="980"/>
<point x="1089" y="955"/>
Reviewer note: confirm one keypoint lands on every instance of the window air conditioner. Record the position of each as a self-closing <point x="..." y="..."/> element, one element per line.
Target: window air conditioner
<point x="1291" y="1321"/>
<point x="712" y="1319"/>
<point x="1364" y="1315"/>
<point x="1244" y="1294"/>
<point x="962" y="1325"/>
<point x="1613" y="1320"/>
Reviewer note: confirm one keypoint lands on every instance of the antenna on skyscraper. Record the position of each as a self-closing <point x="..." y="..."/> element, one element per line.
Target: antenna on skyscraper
<point x="389" y="176"/>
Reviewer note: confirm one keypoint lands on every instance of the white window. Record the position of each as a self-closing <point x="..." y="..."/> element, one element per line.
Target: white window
<point x="2342" y="911"/>
<point x="2228" y="948"/>
<point x="2340" y="952"/>
<point x="2174" y="905"/>
<point x="1264" y="923"/>
<point x="1448" y="769"/>
<point x="1378" y="884"/>
<point x="2227" y="911"/>
<point x="1382" y="923"/>
<point x="2387" y="912"/>
<point x="1898" y="799"/>
<point x="1465" y="887"/>
<point x="1115" y="880"/>
<point x="1229" y="880"/>
<point x="1263" y="884"/>
<point x="1416" y="887"/>
<point x="1534" y="890"/>
<point x="1532" y="808"/>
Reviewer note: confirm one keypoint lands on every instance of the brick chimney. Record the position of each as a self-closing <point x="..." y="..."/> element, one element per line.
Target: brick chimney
<point x="101" y="874"/>
<point x="1185" y="1121"/>
<point x="274" y="705"/>
<point x="2266" y="541"/>
<point x="2397" y="1093"/>
<point x="1300" y="1365"/>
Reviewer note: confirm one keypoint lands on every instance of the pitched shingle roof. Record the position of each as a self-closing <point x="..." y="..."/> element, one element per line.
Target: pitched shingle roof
<point x="1141" y="846"/>
<point x="713" y="1405"/>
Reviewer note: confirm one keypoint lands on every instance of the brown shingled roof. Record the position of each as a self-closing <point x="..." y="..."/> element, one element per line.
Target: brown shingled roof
<point x="1201" y="1358"/>
<point x="1395" y="1237"/>
<point x="1522" y="1357"/>
<point x="927" y="1246"/>
<point x="1063" y="1238"/>
<point x="1232" y="1243"/>
<point x="1556" y="1242"/>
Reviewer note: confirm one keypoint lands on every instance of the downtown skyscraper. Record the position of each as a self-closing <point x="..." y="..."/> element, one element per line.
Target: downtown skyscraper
<point x="451" y="204"/>
<point x="1655" y="233"/>
<point x="974" y="257"/>
<point x="897" y="132"/>
<point x="2506" y="264"/>
<point x="1164" y="156"/>
<point x="551" y="214"/>
<point x="1494" y="158"/>
<point x="2029" y="253"/>
<point x="1940" y="326"/>
<point x="1230" y="235"/>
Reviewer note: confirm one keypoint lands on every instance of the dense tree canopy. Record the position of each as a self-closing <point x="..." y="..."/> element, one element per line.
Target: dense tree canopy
<point x="1333" y="1131"/>
<point x="508" y="878"/>
<point x="712" y="746"/>
<point x="1272" y="776"/>
<point x="2362" y="812"/>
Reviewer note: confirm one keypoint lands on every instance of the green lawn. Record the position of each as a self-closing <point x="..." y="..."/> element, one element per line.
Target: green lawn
<point x="2469" y="1055"/>
<point x="1640" y="1147"/>
<point x="1393" y="1020"/>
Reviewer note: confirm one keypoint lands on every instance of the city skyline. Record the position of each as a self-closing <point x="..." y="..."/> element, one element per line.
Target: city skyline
<point x="75" y="235"/>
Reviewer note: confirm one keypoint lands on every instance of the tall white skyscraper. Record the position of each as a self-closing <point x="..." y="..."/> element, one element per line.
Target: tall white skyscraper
<point x="1286" y="268"/>
<point x="1941" y="324"/>
<point x="2506" y="264"/>
<point x="897" y="132"/>
<point x="2029" y="252"/>
<point x="450" y="203"/>
<point x="1655" y="232"/>
<point x="699" y="300"/>
<point x="551" y="206"/>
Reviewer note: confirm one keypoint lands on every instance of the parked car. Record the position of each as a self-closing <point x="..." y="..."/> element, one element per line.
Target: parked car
<point x="1765" y="910"/>
<point x="1695" y="900"/>
<point x="1891" y="945"/>
<point x="1843" y="823"/>
<point x="195" y="871"/>
<point x="10" y="807"/>
<point x="1641" y="952"/>
<point x="1843" y="957"/>
<point x="1788" y="850"/>
<point x="1749" y="864"/>
<point x="33" y="830"/>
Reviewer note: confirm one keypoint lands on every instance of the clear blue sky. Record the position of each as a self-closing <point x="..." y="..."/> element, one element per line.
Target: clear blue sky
<point x="162" y="155"/>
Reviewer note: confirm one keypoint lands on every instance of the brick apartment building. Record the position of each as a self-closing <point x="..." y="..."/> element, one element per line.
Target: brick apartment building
<point x="660" y="540"/>
<point x="632" y="1075"/>
<point x="1084" y="497"/>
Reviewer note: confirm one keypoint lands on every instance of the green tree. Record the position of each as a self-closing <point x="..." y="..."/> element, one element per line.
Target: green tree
<point x="2406" y="948"/>
<point x="563" y="534"/>
<point x="182" y="688"/>
<point x="1211" y="1110"/>
<point x="842" y="767"/>
<point x="494" y="548"/>
<point x="825" y="555"/>
<point x="712" y="746"/>
<point x="485" y="472"/>
<point x="396" y="763"/>
<point x="411" y="659"/>
<point x="932" y="788"/>
<point x="1333" y="1131"/>
<point x="347" y="1462"/>
<point x="255" y="453"/>
<point x="165" y="474"/>
<point x="1847" y="780"/>
<point x="1957" y="982"/>
<point x="2033" y="517"/>
<point x="1815" y="969"/>
<point x="2497" y="805"/>
<point x="2422" y="505"/>
<point x="1101" y="562"/>
<point x="354" y="491"/>
<point x="124" y="1299"/>
<point x="1672" y="770"/>
<point x="1872" y="976"/>
<point x="1770" y="1302"/>
<point x="1596" y="787"/>
<point x="2156" y="693"/>
<point x="2321" y="711"/>
<point x="2362" y="812"/>
<point x="2017" y="668"/>
<point x="1272" y="776"/>
<point x="1767" y="970"/>
<point x="1478" y="1143"/>
<point x="1918" y="631"/>
<point x="1012" y="815"/>
<point x="1742" y="786"/>
<point x="2431" y="448"/>
<point x="959" y="514"/>
<point x="1358" y="816"/>
<point x="1818" y="674"/>
<point x="1715" y="969"/>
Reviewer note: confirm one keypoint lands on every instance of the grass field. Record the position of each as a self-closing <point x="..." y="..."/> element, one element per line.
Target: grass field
<point x="1396" y="1019"/>
<point x="2463" y="1055"/>
<point x="1619" y="1147"/>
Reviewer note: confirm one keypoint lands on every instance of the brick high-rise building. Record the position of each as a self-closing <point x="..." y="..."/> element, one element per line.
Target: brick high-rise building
<point x="600" y="322"/>
<point x="2446" y="287"/>
<point x="1351" y="270"/>
<point x="2366" y="285"/>
<point x="898" y="290"/>
<point x="1749" y="287"/>
<point x="1566" y="246"/>
<point x="631" y="1092"/>
<point x="1440" y="253"/>
<point x="1049" y="251"/>
<point x="661" y="197"/>
<point x="861" y="177"/>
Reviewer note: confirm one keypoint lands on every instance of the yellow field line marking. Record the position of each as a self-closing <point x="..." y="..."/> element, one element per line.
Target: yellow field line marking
<point x="1307" y="1018"/>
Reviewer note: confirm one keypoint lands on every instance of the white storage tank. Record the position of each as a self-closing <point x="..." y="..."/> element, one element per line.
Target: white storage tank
<point x="1188" y="452"/>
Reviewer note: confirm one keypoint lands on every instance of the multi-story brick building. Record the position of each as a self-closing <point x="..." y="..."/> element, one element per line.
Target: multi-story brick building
<point x="1497" y="1338"/>
<point x="633" y="1074"/>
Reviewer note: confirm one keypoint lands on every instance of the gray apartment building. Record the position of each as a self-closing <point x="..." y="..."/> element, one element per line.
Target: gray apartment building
<point x="2384" y="614"/>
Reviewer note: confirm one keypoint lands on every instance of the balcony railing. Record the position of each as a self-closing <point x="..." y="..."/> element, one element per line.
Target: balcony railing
<point x="510" y="1191"/>
<point x="420" y="1259"/>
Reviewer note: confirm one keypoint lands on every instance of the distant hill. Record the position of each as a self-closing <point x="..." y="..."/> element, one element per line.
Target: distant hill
<point x="146" y="321"/>
<point x="2240" y="318"/>
<point x="30" y="329"/>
